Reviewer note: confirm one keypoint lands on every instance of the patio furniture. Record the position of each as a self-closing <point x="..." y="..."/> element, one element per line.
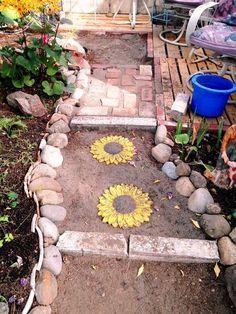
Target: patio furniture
<point x="133" y="11"/>
<point x="181" y="11"/>
<point x="219" y="36"/>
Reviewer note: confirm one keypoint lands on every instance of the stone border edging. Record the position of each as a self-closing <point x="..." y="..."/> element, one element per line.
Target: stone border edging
<point x="139" y="247"/>
<point x="48" y="193"/>
<point x="89" y="121"/>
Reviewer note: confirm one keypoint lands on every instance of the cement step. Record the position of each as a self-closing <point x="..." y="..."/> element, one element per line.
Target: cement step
<point x="139" y="247"/>
<point x="127" y="122"/>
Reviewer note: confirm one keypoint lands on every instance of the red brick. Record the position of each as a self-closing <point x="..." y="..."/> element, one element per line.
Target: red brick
<point x="144" y="83"/>
<point x="147" y="110"/>
<point x="130" y="89"/>
<point x="146" y="94"/>
<point x="99" y="74"/>
<point x="142" y="77"/>
<point x="124" y="112"/>
<point x="145" y="70"/>
<point x="113" y="73"/>
<point x="127" y="80"/>
<point x="115" y="81"/>
<point x="130" y="71"/>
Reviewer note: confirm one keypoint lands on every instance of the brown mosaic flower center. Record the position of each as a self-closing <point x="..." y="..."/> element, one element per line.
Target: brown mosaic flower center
<point x="113" y="148"/>
<point x="124" y="204"/>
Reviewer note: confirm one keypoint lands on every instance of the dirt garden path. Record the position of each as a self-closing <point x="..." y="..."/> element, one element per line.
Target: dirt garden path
<point x="101" y="285"/>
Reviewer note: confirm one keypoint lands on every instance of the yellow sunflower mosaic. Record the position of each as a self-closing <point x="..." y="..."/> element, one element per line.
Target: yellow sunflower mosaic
<point x="113" y="149"/>
<point x="124" y="206"/>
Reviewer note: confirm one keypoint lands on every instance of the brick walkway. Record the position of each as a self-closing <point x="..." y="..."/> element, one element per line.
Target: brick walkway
<point x="120" y="91"/>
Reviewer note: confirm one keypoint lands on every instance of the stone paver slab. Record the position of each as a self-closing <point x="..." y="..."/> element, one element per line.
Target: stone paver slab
<point x="93" y="111"/>
<point x="113" y="92"/>
<point x="130" y="100"/>
<point x="93" y="243"/>
<point x="109" y="102"/>
<point x="115" y="81"/>
<point x="173" y="249"/>
<point x="145" y="70"/>
<point x="127" y="122"/>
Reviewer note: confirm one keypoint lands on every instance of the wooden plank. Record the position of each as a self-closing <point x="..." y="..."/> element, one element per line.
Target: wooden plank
<point x="231" y="112"/>
<point x="158" y="44"/>
<point x="172" y="50"/>
<point x="165" y="75"/>
<point x="174" y="74"/>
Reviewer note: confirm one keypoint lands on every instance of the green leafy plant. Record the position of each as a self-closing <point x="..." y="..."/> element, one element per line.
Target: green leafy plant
<point x="201" y="132"/>
<point x="181" y="138"/>
<point x="12" y="198"/>
<point x="11" y="126"/>
<point x="8" y="236"/>
<point x="36" y="59"/>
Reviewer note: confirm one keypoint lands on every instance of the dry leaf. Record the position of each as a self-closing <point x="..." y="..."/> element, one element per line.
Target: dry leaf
<point x="176" y="206"/>
<point x="163" y="198"/>
<point x="182" y="273"/>
<point x="157" y="181"/>
<point x="196" y="224"/>
<point x="217" y="270"/>
<point x="140" y="271"/>
<point x="93" y="267"/>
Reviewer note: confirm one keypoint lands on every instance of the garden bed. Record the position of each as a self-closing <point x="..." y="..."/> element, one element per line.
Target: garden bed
<point x="16" y="154"/>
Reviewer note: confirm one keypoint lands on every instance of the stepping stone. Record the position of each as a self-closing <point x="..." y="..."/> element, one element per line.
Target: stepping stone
<point x="93" y="243"/>
<point x="173" y="249"/>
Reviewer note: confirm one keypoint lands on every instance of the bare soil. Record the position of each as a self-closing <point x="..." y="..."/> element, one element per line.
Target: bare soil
<point x="108" y="286"/>
<point x="114" y="49"/>
<point x="84" y="179"/>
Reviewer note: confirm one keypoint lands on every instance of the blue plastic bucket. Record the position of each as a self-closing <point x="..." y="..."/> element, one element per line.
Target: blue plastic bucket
<point x="210" y="94"/>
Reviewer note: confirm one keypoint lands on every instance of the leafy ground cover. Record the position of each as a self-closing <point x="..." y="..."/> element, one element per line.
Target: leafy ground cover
<point x="19" y="138"/>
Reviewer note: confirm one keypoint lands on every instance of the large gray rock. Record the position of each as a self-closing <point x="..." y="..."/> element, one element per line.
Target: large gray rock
<point x="58" y="140"/>
<point x="184" y="186"/>
<point x="58" y="116"/>
<point x="183" y="170"/>
<point x="53" y="212"/>
<point x="161" y="152"/>
<point x="213" y="209"/>
<point x="227" y="250"/>
<point x="169" y="168"/>
<point x="43" y="170"/>
<point x="198" y="180"/>
<point x="46" y="288"/>
<point x="49" y="230"/>
<point x="48" y="197"/>
<point x="4" y="308"/>
<point x="199" y="200"/>
<point x="66" y="109"/>
<point x="59" y="127"/>
<point x="52" y="156"/>
<point x="230" y="279"/>
<point x="41" y="310"/>
<point x="233" y="235"/>
<point x="216" y="226"/>
<point x="52" y="260"/>
<point x="161" y="136"/>
<point x="44" y="183"/>
<point x="27" y="104"/>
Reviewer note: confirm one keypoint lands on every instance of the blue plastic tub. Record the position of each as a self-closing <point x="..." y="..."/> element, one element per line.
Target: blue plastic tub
<point x="210" y="94"/>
